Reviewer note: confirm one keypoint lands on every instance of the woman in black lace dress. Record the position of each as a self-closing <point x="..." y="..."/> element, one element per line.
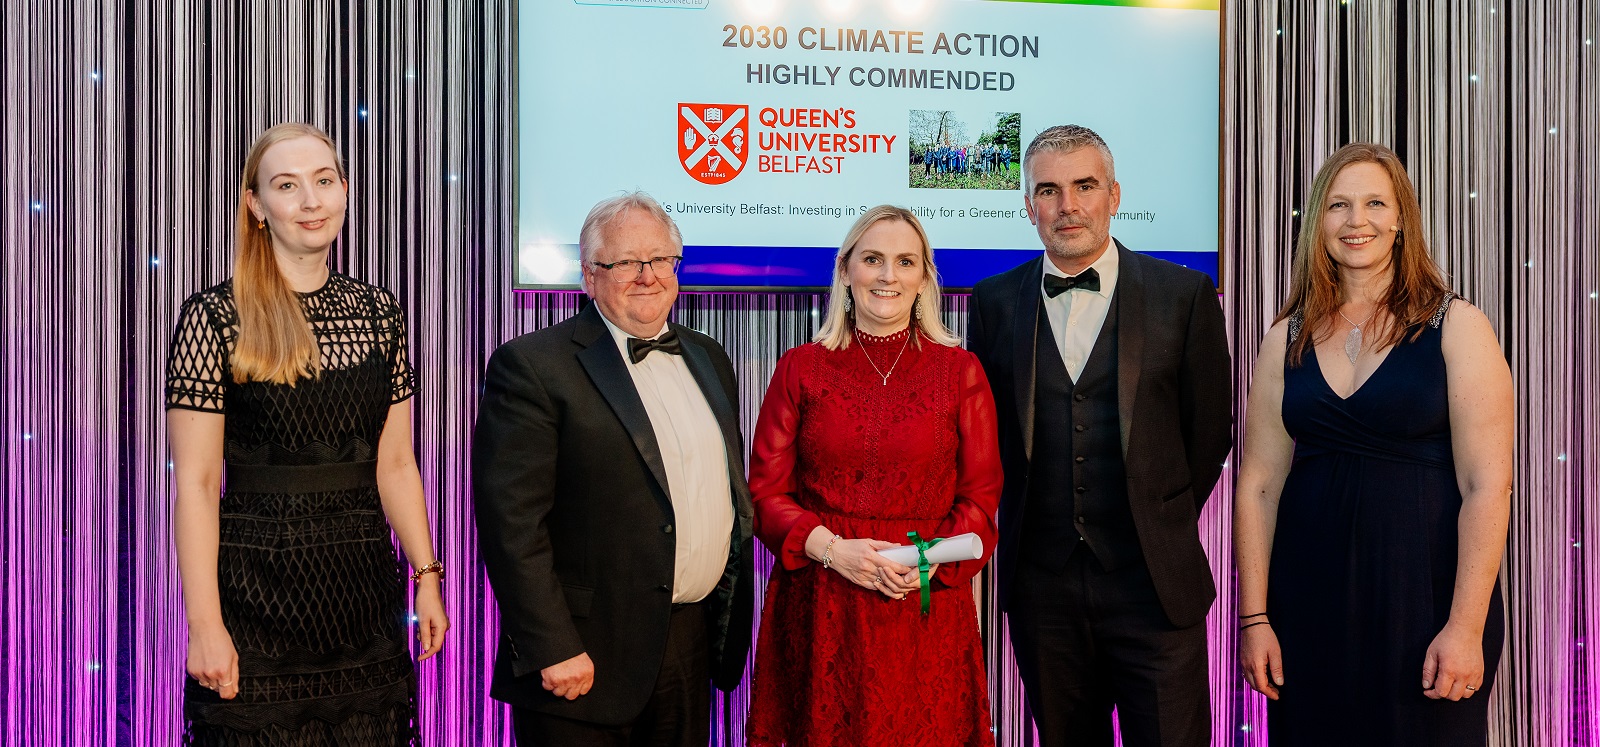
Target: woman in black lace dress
<point x="287" y="386"/>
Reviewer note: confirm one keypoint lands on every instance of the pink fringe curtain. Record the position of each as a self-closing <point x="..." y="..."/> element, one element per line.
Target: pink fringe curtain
<point x="122" y="127"/>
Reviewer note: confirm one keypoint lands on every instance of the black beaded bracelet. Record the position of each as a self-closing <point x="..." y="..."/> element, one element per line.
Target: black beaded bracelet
<point x="1247" y="617"/>
<point x="1251" y="625"/>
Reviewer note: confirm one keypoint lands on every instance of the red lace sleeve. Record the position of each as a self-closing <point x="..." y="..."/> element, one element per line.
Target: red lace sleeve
<point x="781" y="523"/>
<point x="978" y="474"/>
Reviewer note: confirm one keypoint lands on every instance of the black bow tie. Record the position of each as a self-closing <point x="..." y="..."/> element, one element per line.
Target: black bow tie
<point x="667" y="343"/>
<point x="1055" y="285"/>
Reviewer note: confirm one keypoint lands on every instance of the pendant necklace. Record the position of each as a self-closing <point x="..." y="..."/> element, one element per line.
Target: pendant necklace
<point x="1352" y="341"/>
<point x="881" y="374"/>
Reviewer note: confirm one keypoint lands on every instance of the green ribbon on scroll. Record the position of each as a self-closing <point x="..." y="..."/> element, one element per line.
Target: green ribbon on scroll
<point x="922" y="566"/>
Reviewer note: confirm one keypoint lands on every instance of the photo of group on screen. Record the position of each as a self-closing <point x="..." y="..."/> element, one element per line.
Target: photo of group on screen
<point x="946" y="154"/>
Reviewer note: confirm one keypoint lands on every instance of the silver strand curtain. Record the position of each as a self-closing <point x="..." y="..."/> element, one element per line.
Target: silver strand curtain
<point x="123" y="126"/>
<point x="1495" y="108"/>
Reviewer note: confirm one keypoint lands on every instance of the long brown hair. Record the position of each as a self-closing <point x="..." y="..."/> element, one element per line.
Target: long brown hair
<point x="1416" y="286"/>
<point x="838" y="325"/>
<point x="275" y="342"/>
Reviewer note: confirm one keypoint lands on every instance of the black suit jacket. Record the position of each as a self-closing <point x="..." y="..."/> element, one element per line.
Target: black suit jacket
<point x="1174" y="404"/>
<point x="575" y="522"/>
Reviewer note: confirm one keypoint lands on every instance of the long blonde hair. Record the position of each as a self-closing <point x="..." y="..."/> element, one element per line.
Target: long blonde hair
<point x="838" y="325"/>
<point x="1416" y="287"/>
<point x="275" y="342"/>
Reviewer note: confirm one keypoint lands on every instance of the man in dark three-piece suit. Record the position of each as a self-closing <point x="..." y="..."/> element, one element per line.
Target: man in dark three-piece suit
<point x="1112" y="383"/>
<point x="613" y="514"/>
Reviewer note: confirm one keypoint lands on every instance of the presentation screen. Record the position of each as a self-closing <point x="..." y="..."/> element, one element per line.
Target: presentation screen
<point x="766" y="127"/>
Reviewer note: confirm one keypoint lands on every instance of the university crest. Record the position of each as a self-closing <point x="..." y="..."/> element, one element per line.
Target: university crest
<point x="713" y="141"/>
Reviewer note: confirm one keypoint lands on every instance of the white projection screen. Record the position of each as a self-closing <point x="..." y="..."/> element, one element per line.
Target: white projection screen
<point x="766" y="126"/>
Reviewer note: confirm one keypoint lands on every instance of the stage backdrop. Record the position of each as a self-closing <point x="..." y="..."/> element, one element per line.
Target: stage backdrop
<point x="122" y="128"/>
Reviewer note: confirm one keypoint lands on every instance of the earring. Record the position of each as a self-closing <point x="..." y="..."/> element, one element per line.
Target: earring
<point x="260" y="224"/>
<point x="848" y="305"/>
<point x="916" y="307"/>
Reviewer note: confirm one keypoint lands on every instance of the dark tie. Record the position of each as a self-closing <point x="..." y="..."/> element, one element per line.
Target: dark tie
<point x="1055" y="285"/>
<point x="667" y="343"/>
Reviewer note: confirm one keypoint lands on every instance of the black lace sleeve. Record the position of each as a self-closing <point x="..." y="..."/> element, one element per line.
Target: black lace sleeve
<point x="402" y="378"/>
<point x="197" y="360"/>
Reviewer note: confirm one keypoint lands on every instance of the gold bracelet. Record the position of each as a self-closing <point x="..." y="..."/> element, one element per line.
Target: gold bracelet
<point x="827" y="552"/>
<point x="434" y="567"/>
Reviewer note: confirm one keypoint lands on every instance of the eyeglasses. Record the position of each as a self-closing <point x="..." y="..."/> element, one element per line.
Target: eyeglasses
<point x="629" y="270"/>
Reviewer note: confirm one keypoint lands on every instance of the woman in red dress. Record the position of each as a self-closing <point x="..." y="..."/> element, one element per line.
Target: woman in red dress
<point x="881" y="426"/>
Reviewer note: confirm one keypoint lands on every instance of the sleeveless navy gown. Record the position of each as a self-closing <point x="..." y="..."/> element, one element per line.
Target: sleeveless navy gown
<point x="1364" y="557"/>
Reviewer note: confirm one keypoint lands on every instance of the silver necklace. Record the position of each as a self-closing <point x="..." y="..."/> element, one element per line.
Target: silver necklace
<point x="881" y="374"/>
<point x="1352" y="341"/>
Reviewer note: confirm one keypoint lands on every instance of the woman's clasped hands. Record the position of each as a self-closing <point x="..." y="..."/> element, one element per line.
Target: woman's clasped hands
<point x="858" y="561"/>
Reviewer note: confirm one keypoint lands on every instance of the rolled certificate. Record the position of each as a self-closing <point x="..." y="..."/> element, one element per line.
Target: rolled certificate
<point x="950" y="550"/>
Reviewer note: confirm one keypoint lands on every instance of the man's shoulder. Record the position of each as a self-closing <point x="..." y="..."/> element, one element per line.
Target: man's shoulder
<point x="697" y="337"/>
<point x="1004" y="282"/>
<point x="555" y="339"/>
<point x="1168" y="274"/>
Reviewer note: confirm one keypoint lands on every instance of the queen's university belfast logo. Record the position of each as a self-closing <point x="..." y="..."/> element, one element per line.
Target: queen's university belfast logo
<point x="713" y="141"/>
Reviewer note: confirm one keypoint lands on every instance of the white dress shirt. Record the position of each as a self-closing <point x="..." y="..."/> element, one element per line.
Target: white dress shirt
<point x="695" y="457"/>
<point x="1077" y="315"/>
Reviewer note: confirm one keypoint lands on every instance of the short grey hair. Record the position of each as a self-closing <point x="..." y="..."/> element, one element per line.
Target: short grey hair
<point x="608" y="211"/>
<point x="1065" y="139"/>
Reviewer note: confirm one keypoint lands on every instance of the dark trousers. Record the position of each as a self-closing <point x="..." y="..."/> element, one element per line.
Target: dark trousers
<point x="678" y="713"/>
<point x="1088" y="641"/>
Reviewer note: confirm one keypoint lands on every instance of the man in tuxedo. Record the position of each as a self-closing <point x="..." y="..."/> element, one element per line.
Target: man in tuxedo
<point x="613" y="514"/>
<point x="1111" y="379"/>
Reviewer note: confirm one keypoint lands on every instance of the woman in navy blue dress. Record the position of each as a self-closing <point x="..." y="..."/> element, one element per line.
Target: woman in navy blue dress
<point x="1374" y="487"/>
